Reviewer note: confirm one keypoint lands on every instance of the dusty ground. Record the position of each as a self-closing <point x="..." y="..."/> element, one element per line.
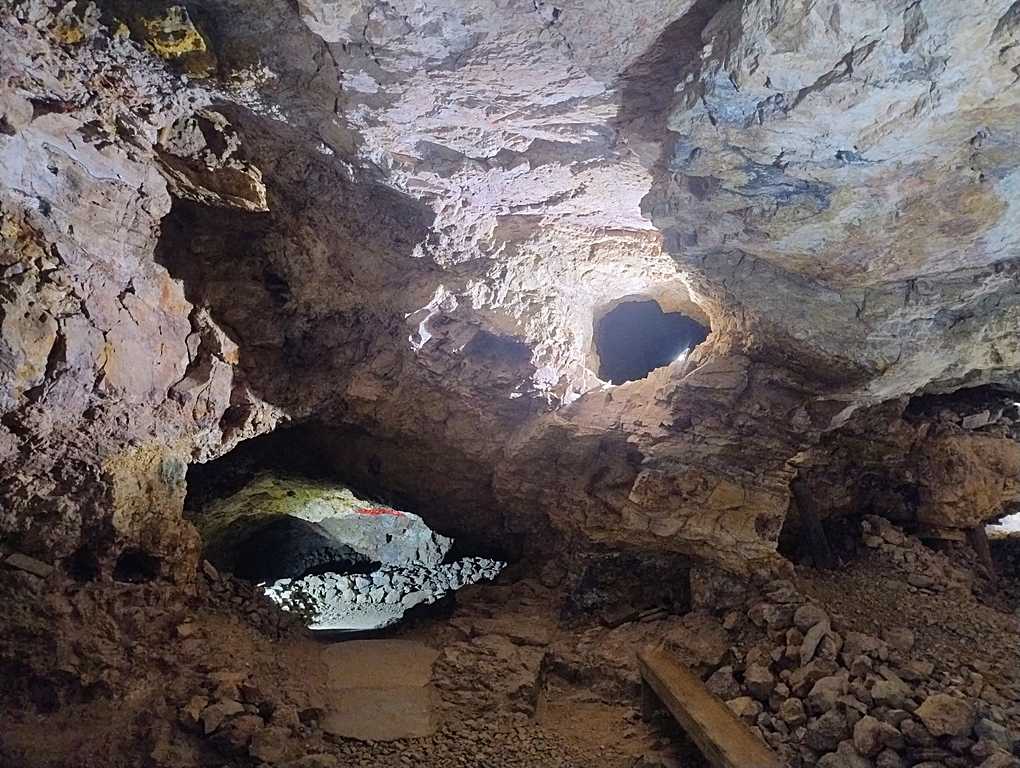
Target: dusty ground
<point x="104" y="675"/>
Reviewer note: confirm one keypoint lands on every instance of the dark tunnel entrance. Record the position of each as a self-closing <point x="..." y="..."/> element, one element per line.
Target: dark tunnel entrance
<point x="278" y="512"/>
<point x="636" y="337"/>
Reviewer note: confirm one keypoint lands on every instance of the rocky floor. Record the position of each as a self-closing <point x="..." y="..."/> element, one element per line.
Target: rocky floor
<point x="859" y="667"/>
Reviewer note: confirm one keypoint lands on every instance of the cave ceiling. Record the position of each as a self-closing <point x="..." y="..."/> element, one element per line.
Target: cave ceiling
<point x="408" y="217"/>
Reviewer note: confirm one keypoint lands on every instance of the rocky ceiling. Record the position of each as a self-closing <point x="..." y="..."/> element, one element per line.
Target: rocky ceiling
<point x="396" y="225"/>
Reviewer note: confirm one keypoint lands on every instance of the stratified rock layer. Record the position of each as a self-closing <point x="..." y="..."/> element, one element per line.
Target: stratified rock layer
<point x="398" y="224"/>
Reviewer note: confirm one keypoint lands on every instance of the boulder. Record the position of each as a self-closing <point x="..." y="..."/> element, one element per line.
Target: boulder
<point x="900" y="638"/>
<point x="273" y="745"/>
<point x="802" y="680"/>
<point x="234" y="737"/>
<point x="214" y="715"/>
<point x="992" y="732"/>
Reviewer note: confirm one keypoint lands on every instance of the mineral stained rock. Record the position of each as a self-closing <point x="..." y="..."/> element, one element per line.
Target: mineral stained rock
<point x="328" y="516"/>
<point x="400" y="223"/>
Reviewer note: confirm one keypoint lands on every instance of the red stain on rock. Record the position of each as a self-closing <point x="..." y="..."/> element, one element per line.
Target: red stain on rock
<point x="379" y="511"/>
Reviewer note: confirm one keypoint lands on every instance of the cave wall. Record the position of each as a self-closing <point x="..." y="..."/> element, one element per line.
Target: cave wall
<point x="400" y="224"/>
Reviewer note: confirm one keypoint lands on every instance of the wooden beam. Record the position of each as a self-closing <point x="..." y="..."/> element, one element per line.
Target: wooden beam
<point x="978" y="539"/>
<point x="721" y="736"/>
<point x="929" y="532"/>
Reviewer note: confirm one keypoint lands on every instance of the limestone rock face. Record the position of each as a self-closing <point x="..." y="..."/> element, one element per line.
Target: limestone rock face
<point x="398" y="224"/>
<point x="328" y="512"/>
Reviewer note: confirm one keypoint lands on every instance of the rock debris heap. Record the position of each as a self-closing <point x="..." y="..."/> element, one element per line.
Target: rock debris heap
<point x="822" y="694"/>
<point x="355" y="602"/>
<point x="303" y="539"/>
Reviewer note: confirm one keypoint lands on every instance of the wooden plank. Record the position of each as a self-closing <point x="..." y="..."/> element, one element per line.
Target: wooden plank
<point x="941" y="534"/>
<point x="978" y="539"/>
<point x="720" y="735"/>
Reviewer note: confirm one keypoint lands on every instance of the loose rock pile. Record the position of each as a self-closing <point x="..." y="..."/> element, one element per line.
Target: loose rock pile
<point x="927" y="570"/>
<point x="370" y="601"/>
<point x="821" y="694"/>
<point x="226" y="592"/>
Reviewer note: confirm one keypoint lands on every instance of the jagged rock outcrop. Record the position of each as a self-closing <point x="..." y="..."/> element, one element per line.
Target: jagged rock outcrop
<point x="398" y="223"/>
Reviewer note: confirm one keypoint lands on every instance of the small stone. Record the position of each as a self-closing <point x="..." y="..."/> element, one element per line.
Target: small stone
<point x="320" y="760"/>
<point x="1000" y="759"/>
<point x="892" y="693"/>
<point x="858" y="643"/>
<point x="976" y="420"/>
<point x="802" y="680"/>
<point x="745" y="708"/>
<point x="186" y="630"/>
<point x="945" y="715"/>
<point x="235" y="735"/>
<point x="826" y="732"/>
<point x="992" y="732"/>
<point x="214" y="715"/>
<point x="871" y="736"/>
<point x="190" y="715"/>
<point x="759" y="681"/>
<point x="900" y="638"/>
<point x="920" y="581"/>
<point x="271" y="745"/>
<point x="210" y="571"/>
<point x="916" y="734"/>
<point x="825" y="693"/>
<point x="845" y="756"/>
<point x="792" y="712"/>
<point x="861" y="666"/>
<point x="807" y="616"/>
<point x="723" y="684"/>
<point x="29" y="565"/>
<point x="887" y="758"/>
<point x="812" y="639"/>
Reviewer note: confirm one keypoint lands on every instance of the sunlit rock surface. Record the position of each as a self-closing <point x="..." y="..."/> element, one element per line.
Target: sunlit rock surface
<point x="400" y="222"/>
<point x="333" y="601"/>
<point x="330" y="518"/>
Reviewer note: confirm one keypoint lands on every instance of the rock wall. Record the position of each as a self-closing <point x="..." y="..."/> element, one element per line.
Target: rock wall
<point x="402" y="221"/>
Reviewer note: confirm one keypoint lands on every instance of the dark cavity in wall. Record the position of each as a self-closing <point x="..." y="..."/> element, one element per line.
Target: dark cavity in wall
<point x="636" y="337"/>
<point x="401" y="474"/>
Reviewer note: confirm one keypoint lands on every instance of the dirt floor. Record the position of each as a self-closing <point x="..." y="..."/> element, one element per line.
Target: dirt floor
<point x="111" y="675"/>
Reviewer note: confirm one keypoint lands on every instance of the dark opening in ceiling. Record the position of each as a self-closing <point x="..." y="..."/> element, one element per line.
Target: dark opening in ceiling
<point x="636" y="337"/>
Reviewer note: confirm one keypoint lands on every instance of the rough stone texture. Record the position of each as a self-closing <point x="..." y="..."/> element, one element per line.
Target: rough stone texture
<point x="374" y="533"/>
<point x="944" y="715"/>
<point x="400" y="222"/>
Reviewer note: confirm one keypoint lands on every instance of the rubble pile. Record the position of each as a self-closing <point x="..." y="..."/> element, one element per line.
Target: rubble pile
<point x="377" y="599"/>
<point x="823" y="694"/>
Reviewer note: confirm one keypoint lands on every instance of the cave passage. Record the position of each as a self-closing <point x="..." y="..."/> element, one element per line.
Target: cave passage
<point x="343" y="562"/>
<point x="636" y="337"/>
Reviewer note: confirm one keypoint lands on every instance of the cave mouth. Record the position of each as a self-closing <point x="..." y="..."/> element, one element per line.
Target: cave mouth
<point x="340" y="558"/>
<point x="636" y="337"/>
